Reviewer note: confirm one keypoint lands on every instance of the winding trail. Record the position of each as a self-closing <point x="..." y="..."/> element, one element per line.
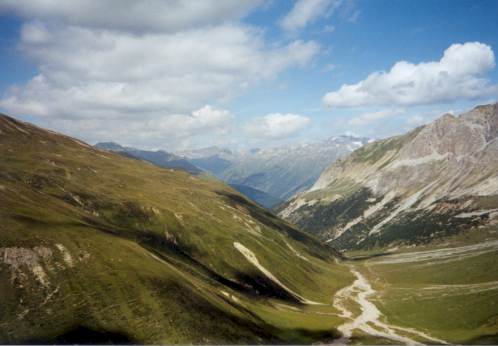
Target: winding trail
<point x="369" y="320"/>
<point x="441" y="255"/>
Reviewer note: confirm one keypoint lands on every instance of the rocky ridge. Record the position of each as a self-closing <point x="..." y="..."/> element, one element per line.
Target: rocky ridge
<point x="431" y="182"/>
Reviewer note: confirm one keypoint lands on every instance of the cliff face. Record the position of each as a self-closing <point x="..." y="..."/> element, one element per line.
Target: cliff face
<point x="431" y="182"/>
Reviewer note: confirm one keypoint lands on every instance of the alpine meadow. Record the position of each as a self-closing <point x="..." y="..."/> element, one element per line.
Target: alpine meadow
<point x="217" y="172"/>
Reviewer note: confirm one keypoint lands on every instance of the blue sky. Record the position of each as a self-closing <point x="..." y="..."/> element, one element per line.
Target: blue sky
<point x="176" y="75"/>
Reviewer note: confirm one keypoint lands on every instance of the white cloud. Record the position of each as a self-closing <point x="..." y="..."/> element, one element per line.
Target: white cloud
<point x="458" y="75"/>
<point x="117" y="68"/>
<point x="307" y="11"/>
<point x="373" y="117"/>
<point x="132" y="15"/>
<point x="93" y="73"/>
<point x="276" y="126"/>
<point x="172" y="131"/>
<point x="97" y="80"/>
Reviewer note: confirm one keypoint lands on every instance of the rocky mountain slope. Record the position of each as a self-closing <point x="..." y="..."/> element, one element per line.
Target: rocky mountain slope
<point x="280" y="172"/>
<point x="96" y="247"/>
<point x="434" y="181"/>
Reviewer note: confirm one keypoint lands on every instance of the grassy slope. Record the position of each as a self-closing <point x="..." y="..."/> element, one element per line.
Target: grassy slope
<point x="455" y="299"/>
<point x="151" y="255"/>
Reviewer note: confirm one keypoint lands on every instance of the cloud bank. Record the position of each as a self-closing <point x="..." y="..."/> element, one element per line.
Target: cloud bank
<point x="369" y="118"/>
<point x="132" y="15"/>
<point x="149" y="66"/>
<point x="276" y="126"/>
<point x="458" y="75"/>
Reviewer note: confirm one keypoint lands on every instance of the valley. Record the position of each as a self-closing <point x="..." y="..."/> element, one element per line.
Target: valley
<point x="253" y="172"/>
<point x="279" y="172"/>
<point x="101" y="247"/>
<point x="442" y="294"/>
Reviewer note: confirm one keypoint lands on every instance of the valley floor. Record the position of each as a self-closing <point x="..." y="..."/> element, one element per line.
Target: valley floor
<point x="369" y="320"/>
<point x="431" y="296"/>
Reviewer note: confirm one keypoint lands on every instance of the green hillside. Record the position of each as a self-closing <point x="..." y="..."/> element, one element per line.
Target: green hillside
<point x="97" y="247"/>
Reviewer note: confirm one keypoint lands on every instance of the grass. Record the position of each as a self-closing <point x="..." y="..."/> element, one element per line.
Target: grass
<point x="152" y="253"/>
<point x="152" y="259"/>
<point x="455" y="300"/>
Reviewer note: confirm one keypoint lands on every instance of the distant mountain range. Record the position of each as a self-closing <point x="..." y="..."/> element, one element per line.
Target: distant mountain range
<point x="160" y="158"/>
<point x="164" y="159"/>
<point x="267" y="176"/>
<point x="434" y="181"/>
<point x="279" y="172"/>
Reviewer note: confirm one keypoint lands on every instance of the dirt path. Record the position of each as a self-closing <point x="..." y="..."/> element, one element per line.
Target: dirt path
<point x="440" y="255"/>
<point x="369" y="320"/>
<point x="251" y="257"/>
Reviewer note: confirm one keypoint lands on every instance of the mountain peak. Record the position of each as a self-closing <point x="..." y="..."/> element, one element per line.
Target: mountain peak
<point x="447" y="165"/>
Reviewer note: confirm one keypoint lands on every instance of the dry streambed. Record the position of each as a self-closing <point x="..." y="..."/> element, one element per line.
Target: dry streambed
<point x="370" y="320"/>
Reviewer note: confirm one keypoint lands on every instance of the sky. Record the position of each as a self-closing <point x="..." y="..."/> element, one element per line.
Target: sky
<point x="184" y="74"/>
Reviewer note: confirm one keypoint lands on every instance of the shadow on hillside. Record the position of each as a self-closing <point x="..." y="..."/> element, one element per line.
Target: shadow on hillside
<point x="85" y="336"/>
<point x="268" y="219"/>
<point x="365" y="257"/>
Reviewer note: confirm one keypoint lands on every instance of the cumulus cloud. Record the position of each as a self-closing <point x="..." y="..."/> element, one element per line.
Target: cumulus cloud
<point x="144" y="73"/>
<point x="458" y="75"/>
<point x="93" y="73"/>
<point x="131" y="15"/>
<point x="171" y="131"/>
<point x="307" y="11"/>
<point x="276" y="126"/>
<point x="373" y="117"/>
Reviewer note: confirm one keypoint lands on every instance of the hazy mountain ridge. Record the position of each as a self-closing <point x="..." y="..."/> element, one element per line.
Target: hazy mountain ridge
<point x="164" y="159"/>
<point x="435" y="180"/>
<point x="280" y="172"/>
<point x="158" y="157"/>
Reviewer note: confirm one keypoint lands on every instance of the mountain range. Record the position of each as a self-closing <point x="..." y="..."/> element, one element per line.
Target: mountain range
<point x="267" y="176"/>
<point x="432" y="182"/>
<point x="160" y="158"/>
<point x="164" y="159"/>
<point x="279" y="172"/>
<point x="99" y="247"/>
